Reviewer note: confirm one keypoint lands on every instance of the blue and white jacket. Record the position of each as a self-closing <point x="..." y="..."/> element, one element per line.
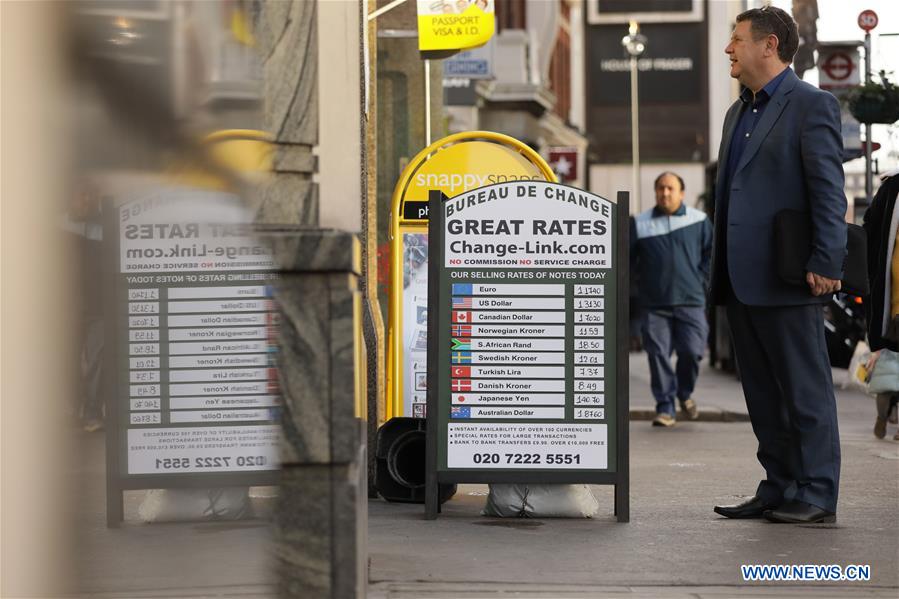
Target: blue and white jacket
<point x="671" y="257"/>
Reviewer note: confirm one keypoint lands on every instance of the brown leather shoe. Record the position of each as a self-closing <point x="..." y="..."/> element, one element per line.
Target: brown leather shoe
<point x="754" y="507"/>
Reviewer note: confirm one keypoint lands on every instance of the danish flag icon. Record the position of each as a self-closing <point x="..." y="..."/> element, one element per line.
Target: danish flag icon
<point x="461" y="385"/>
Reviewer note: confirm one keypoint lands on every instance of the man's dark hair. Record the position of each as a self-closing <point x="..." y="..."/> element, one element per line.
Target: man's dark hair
<point x="770" y="20"/>
<point x="675" y="175"/>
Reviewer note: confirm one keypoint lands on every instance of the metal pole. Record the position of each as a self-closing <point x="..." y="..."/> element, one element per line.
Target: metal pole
<point x="635" y="44"/>
<point x="869" y="182"/>
<point x="427" y="103"/>
<point x="635" y="134"/>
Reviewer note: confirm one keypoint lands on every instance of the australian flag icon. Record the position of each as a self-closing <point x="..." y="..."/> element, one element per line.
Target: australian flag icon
<point x="460" y="412"/>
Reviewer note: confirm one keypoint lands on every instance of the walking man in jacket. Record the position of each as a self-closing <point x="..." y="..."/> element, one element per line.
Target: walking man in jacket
<point x="671" y="248"/>
<point x="781" y="149"/>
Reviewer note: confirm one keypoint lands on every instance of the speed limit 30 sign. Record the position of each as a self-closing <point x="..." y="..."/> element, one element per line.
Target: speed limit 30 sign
<point x="867" y="20"/>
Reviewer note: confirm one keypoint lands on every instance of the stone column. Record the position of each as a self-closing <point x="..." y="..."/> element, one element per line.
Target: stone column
<point x="287" y="42"/>
<point x="321" y="517"/>
<point x="321" y="520"/>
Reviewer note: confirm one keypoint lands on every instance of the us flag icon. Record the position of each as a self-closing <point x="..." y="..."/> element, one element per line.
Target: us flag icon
<point x="461" y="385"/>
<point x="461" y="302"/>
<point x="462" y="371"/>
<point x="461" y="316"/>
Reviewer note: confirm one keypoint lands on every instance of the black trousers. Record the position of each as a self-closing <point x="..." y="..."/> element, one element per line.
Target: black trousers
<point x="788" y="385"/>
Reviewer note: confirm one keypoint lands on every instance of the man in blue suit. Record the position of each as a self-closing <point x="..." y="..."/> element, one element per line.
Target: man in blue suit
<point x="781" y="149"/>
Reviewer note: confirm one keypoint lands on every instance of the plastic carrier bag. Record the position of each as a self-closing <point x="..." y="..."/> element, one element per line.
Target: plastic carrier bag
<point x="859" y="367"/>
<point x="540" y="501"/>
<point x="884" y="377"/>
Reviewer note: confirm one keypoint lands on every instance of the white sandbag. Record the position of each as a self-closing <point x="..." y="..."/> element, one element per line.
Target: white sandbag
<point x="540" y="501"/>
<point x="193" y="505"/>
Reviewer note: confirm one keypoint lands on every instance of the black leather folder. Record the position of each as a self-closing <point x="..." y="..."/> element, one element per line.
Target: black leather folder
<point x="793" y="236"/>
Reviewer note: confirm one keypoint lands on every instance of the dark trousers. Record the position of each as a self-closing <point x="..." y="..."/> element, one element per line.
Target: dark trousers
<point x="788" y="386"/>
<point x="681" y="329"/>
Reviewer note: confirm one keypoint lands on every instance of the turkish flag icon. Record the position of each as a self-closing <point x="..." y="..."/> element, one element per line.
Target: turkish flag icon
<point x="461" y="316"/>
<point x="462" y="371"/>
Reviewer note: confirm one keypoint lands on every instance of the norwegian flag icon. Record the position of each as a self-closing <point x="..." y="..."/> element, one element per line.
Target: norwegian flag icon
<point x="461" y="316"/>
<point x="461" y="385"/>
<point x="462" y="371"/>
<point x="461" y="330"/>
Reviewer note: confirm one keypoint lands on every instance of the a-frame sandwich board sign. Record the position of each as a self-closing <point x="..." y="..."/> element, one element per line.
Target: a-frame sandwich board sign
<point x="527" y="338"/>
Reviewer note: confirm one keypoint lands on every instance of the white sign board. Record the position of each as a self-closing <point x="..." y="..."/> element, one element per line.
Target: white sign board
<point x="197" y="387"/>
<point x="838" y="72"/>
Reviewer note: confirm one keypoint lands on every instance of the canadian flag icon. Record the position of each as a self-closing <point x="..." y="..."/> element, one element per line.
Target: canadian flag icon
<point x="461" y="316"/>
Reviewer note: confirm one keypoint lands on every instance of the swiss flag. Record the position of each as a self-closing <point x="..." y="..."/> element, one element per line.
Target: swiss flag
<point x="461" y="316"/>
<point x="461" y="385"/>
<point x="462" y="371"/>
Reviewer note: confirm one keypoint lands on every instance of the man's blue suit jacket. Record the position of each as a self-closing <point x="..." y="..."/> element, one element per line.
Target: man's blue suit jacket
<point x="792" y="160"/>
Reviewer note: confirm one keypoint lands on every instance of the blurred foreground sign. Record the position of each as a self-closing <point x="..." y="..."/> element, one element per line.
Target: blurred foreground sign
<point x="190" y="346"/>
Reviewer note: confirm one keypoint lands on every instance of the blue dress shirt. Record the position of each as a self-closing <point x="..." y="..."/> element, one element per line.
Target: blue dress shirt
<point x="752" y="111"/>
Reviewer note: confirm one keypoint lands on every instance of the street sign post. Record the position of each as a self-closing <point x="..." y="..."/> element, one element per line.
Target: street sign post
<point x="527" y="338"/>
<point x="867" y="20"/>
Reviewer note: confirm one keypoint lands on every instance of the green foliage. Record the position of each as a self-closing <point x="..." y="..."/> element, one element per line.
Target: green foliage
<point x="876" y="101"/>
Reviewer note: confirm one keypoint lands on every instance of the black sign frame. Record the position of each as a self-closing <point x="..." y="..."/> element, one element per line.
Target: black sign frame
<point x="620" y="478"/>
